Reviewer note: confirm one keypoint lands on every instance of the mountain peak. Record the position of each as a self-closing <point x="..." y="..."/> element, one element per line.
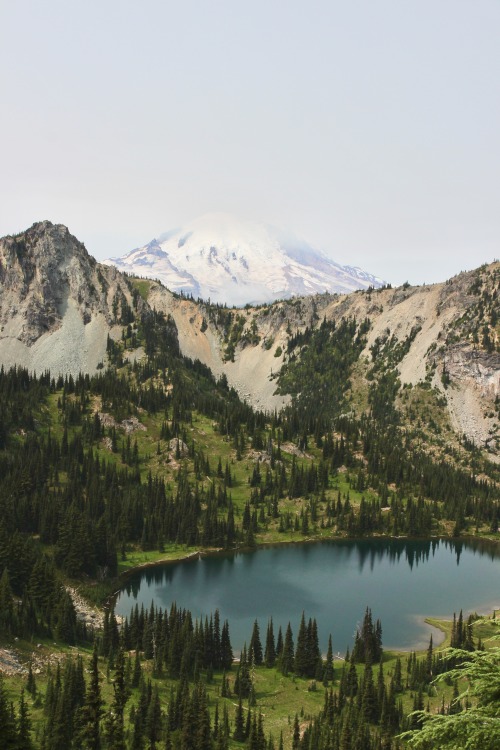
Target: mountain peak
<point x="237" y="261"/>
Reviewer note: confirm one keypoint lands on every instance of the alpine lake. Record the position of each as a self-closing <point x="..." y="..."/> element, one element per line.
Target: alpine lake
<point x="402" y="581"/>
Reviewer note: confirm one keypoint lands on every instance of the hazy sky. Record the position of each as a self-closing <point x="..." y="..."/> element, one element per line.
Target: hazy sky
<point x="369" y="127"/>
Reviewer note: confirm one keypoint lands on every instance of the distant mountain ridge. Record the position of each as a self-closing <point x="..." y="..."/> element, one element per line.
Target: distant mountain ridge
<point x="228" y="260"/>
<point x="63" y="311"/>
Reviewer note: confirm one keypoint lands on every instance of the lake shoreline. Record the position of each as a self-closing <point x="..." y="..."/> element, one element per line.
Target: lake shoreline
<point x="218" y="551"/>
<point x="425" y="550"/>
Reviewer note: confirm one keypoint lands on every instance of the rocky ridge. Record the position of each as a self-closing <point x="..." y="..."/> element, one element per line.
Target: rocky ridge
<point x="442" y="354"/>
<point x="58" y="306"/>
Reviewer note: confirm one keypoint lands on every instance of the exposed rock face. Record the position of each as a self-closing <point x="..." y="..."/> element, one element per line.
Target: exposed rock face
<point x="57" y="305"/>
<point x="439" y="342"/>
<point x="465" y="363"/>
<point x="39" y="270"/>
<point x="475" y="384"/>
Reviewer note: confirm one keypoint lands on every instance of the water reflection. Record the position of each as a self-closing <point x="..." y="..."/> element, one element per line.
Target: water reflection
<point x="332" y="581"/>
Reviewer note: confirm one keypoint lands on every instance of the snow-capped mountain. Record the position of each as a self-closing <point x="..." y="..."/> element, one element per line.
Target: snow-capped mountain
<point x="237" y="262"/>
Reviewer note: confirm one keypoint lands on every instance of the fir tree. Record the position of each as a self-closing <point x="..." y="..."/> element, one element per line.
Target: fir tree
<point x="91" y="712"/>
<point x="255" y="648"/>
<point x="328" y="672"/>
<point x="24" y="725"/>
<point x="270" y="650"/>
<point x="8" y="729"/>
<point x="287" y="657"/>
<point x="239" y="723"/>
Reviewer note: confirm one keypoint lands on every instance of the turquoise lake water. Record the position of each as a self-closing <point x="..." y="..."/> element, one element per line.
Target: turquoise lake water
<point x="401" y="581"/>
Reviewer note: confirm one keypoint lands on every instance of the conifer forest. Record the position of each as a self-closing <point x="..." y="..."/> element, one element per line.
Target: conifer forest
<point x="154" y="459"/>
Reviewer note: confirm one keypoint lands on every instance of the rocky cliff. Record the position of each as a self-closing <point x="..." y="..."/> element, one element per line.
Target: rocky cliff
<point x="57" y="304"/>
<point x="58" y="307"/>
<point x="446" y="335"/>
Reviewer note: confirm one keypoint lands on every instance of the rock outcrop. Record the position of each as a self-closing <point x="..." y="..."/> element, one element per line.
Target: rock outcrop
<point x="57" y="304"/>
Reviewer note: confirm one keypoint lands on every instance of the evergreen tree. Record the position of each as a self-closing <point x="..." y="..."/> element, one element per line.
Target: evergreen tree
<point x="8" y="729"/>
<point x="279" y="643"/>
<point x="239" y="723"/>
<point x="6" y="603"/>
<point x="24" y="725"/>
<point x="296" y="733"/>
<point x="369" y="704"/>
<point x="115" y="734"/>
<point x="225" y="647"/>
<point x="243" y="681"/>
<point x="30" y="682"/>
<point x="91" y="712"/>
<point x="301" y="656"/>
<point x="255" y="648"/>
<point x="137" y="672"/>
<point x="270" y="650"/>
<point x="153" y="724"/>
<point x="328" y="672"/>
<point x="287" y="657"/>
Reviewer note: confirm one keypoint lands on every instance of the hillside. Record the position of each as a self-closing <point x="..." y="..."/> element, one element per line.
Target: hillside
<point x="149" y="454"/>
<point x="442" y="337"/>
<point x="58" y="307"/>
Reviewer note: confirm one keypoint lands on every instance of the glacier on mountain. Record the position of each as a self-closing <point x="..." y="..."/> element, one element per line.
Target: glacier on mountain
<point x="233" y="261"/>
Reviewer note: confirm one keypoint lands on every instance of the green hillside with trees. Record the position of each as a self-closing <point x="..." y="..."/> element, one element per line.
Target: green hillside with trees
<point x="154" y="458"/>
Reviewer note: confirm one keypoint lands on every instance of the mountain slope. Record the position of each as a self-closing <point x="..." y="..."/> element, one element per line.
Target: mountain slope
<point x="226" y="260"/>
<point x="442" y="337"/>
<point x="57" y="305"/>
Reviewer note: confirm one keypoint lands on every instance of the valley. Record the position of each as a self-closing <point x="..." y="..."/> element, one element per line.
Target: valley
<point x="138" y="424"/>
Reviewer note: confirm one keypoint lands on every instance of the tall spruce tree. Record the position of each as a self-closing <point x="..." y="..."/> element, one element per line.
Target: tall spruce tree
<point x="255" y="649"/>
<point x="8" y="729"/>
<point x="270" y="649"/>
<point x="286" y="662"/>
<point x="91" y="711"/>
<point x="328" y="672"/>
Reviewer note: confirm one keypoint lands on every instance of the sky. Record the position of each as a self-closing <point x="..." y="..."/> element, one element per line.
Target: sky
<point x="371" y="128"/>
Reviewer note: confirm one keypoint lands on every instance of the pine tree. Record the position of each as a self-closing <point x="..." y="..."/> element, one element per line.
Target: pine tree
<point x="225" y="648"/>
<point x="6" y="603"/>
<point x="239" y="723"/>
<point x="153" y="720"/>
<point x="255" y="648"/>
<point x="301" y="655"/>
<point x="314" y="660"/>
<point x="296" y="734"/>
<point x="328" y="672"/>
<point x="287" y="657"/>
<point x="270" y="650"/>
<point x="136" y="674"/>
<point x="351" y="688"/>
<point x="115" y="734"/>
<point x="428" y="659"/>
<point x="243" y="681"/>
<point x="91" y="712"/>
<point x="369" y="707"/>
<point x="397" y="679"/>
<point x="279" y="644"/>
<point x="8" y="729"/>
<point x="24" y="725"/>
<point x="30" y="682"/>
<point x="203" y="729"/>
